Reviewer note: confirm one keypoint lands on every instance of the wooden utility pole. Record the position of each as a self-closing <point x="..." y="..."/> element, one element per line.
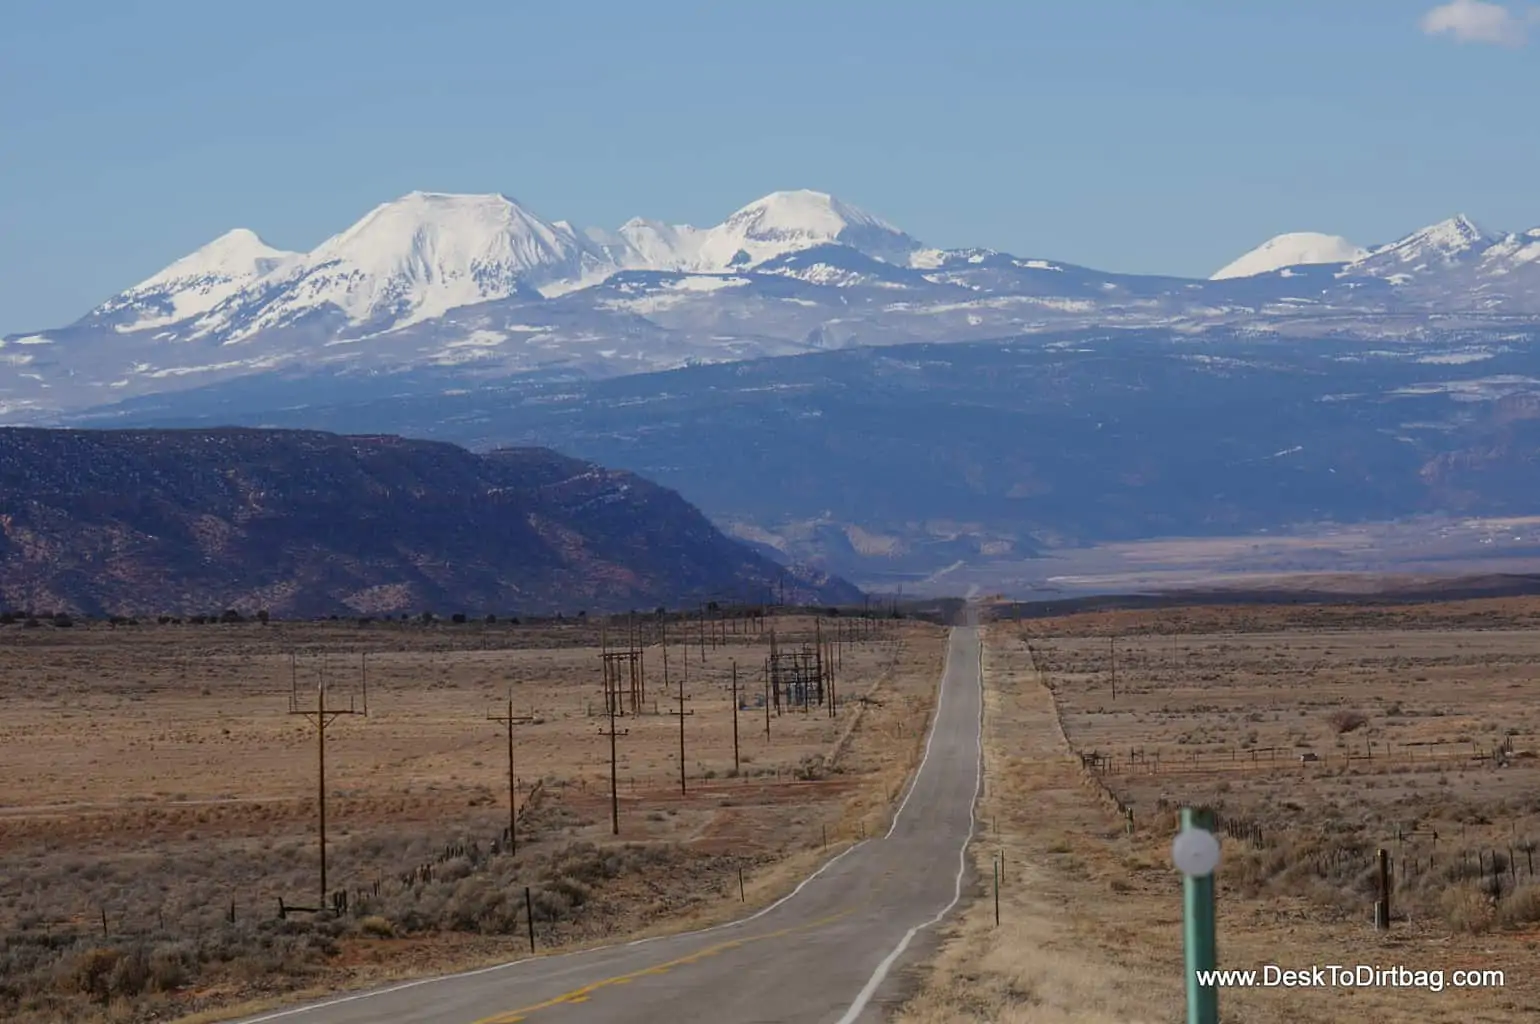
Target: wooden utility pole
<point x="510" y="720"/>
<point x="703" y="634"/>
<point x="663" y="637"/>
<point x="683" y="714"/>
<point x="1112" y="650"/>
<point x="735" y="716"/>
<point x="613" y="733"/>
<point x="767" y="701"/>
<point x="821" y="666"/>
<point x="773" y="672"/>
<point x="834" y="707"/>
<point x="322" y="716"/>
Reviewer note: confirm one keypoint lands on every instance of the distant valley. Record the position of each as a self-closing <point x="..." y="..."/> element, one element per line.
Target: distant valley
<point x="893" y="464"/>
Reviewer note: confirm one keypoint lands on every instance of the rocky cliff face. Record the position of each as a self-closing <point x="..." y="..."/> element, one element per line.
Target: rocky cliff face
<point x="308" y="523"/>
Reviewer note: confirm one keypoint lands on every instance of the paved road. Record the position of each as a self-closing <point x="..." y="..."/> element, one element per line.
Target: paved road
<point x="827" y="954"/>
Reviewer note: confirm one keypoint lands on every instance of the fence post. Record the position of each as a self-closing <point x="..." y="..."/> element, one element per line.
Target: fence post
<point x="1382" y="905"/>
<point x="529" y="914"/>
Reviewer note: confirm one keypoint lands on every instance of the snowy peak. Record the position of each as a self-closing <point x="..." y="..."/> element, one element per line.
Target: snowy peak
<point x="1294" y="249"/>
<point x="196" y="283"/>
<point x="434" y="238"/>
<point x="802" y="214"/>
<point x="660" y="246"/>
<point x="1513" y="252"/>
<point x="1443" y="244"/>
<point x="234" y="255"/>
<point x="416" y="258"/>
<point x="785" y="222"/>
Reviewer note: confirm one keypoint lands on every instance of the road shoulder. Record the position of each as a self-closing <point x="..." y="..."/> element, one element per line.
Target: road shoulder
<point x="1056" y="954"/>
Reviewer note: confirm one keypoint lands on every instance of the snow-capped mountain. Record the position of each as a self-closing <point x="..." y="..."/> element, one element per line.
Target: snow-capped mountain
<point x="196" y="283"/>
<point x="480" y="286"/>
<point x="1512" y="254"/>
<point x="785" y="222"/>
<point x="1295" y="249"/>
<point x="658" y="246"/>
<point x="771" y="227"/>
<point x="1441" y="246"/>
<point x="412" y="260"/>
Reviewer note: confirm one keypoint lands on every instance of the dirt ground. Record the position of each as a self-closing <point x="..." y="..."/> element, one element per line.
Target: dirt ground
<point x="1421" y="720"/>
<point x="159" y="795"/>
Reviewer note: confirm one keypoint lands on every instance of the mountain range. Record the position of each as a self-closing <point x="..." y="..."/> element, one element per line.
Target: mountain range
<point x="305" y="523"/>
<point x="483" y="289"/>
<point x="900" y="464"/>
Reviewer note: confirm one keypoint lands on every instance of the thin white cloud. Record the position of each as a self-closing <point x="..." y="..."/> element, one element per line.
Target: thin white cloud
<point x="1475" y="21"/>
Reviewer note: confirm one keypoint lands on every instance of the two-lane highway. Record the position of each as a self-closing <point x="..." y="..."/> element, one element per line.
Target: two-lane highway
<point x="826" y="954"/>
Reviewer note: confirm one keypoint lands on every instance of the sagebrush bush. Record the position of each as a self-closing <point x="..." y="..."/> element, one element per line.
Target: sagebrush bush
<point x="1468" y="908"/>
<point x="53" y="973"/>
<point x="1521" y="908"/>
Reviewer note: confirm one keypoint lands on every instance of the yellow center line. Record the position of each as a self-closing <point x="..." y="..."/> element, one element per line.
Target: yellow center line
<point x="580" y="995"/>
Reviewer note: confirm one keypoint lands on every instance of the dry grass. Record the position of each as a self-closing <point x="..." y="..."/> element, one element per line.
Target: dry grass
<point x="1216" y="706"/>
<point x="158" y="778"/>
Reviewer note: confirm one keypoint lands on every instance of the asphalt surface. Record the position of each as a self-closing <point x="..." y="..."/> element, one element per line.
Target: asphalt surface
<point x="830" y="953"/>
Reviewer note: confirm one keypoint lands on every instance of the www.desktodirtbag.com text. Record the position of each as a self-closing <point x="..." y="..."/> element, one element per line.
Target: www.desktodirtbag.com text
<point x="1351" y="976"/>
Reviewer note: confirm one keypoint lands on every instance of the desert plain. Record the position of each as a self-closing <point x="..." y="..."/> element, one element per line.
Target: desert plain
<point x="1319" y="734"/>
<point x="160" y="794"/>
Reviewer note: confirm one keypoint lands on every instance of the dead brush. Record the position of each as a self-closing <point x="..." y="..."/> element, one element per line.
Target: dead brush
<point x="71" y="975"/>
<point x="1521" y="909"/>
<point x="1344" y="721"/>
<point x="1468" y="908"/>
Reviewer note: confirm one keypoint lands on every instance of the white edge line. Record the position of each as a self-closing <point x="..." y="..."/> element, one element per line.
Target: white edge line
<point x="870" y="988"/>
<point x="946" y="667"/>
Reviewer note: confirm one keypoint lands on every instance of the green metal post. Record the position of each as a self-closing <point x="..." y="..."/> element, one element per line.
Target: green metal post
<point x="1198" y="931"/>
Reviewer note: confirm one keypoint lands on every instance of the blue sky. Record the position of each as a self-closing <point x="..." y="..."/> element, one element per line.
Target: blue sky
<point x="1133" y="135"/>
